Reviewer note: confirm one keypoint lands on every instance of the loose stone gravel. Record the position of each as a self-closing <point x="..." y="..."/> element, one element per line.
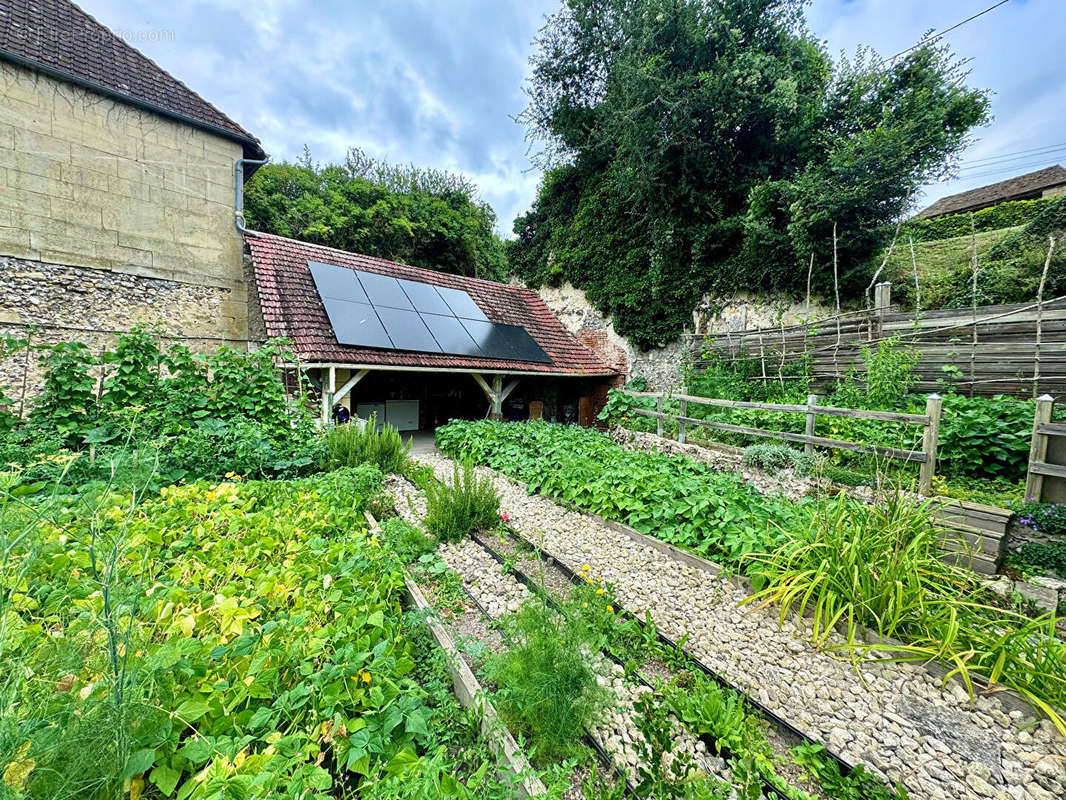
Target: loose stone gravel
<point x="896" y="718"/>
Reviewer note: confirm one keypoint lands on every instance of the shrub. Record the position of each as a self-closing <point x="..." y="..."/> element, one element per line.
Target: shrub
<point x="466" y="505"/>
<point x="351" y="444"/>
<point x="1036" y="558"/>
<point x="1004" y="215"/>
<point x="546" y="688"/>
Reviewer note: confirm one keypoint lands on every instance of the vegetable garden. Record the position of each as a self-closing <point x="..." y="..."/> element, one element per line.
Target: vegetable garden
<point x="196" y="602"/>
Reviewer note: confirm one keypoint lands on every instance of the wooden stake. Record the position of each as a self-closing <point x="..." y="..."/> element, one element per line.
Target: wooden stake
<point x="917" y="287"/>
<point x="1040" y="316"/>
<point x="974" y="269"/>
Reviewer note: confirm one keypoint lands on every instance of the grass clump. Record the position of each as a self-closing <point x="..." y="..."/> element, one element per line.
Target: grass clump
<point x="546" y="688"/>
<point x="350" y="445"/>
<point x="465" y="505"/>
<point x="879" y="568"/>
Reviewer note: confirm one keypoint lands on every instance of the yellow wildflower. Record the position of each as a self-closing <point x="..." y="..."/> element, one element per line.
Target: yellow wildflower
<point x="599" y="591"/>
<point x="611" y="609"/>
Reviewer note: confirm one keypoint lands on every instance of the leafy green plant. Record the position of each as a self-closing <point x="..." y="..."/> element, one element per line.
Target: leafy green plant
<point x="1049" y="518"/>
<point x="1036" y="558"/>
<point x="856" y="785"/>
<point x="669" y="497"/>
<point x="407" y="541"/>
<point x="545" y="686"/>
<point x="351" y="444"/>
<point x="466" y="505"/>
<point x="68" y="398"/>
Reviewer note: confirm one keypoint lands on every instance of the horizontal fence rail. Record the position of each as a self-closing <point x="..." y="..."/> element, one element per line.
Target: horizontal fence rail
<point x="930" y="422"/>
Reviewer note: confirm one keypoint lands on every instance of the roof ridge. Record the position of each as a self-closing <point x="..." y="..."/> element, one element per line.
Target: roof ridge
<point x="390" y="261"/>
<point x="61" y="39"/>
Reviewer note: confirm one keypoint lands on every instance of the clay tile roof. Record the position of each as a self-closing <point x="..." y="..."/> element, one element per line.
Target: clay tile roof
<point x="1023" y="187"/>
<point x="58" y="38"/>
<point x="292" y="308"/>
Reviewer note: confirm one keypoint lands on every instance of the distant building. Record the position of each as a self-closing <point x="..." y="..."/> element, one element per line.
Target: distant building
<point x="1047" y="182"/>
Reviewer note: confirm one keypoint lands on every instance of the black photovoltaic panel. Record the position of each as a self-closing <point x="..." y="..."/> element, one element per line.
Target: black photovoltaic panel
<point x="384" y="291"/>
<point x="425" y="298"/>
<point x="337" y="282"/>
<point x="504" y="341"/>
<point x="371" y="310"/>
<point x="407" y="330"/>
<point x="356" y="323"/>
<point x="462" y="304"/>
<point x="451" y="335"/>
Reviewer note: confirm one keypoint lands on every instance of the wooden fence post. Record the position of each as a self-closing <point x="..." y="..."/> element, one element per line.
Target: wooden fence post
<point x="682" y="413"/>
<point x="812" y="401"/>
<point x="933" y="404"/>
<point x="811" y="417"/>
<point x="1034" y="484"/>
<point x="659" y="419"/>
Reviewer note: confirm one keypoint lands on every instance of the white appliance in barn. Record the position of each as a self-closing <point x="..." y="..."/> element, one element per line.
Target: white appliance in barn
<point x="401" y="414"/>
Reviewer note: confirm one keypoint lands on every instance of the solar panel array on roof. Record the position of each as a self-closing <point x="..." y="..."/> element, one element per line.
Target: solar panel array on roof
<point x="371" y="310"/>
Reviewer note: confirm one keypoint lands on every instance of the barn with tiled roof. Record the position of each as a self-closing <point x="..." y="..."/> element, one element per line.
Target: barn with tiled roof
<point x="397" y="349"/>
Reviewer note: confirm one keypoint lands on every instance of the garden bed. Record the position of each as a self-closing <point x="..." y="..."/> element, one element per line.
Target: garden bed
<point x="894" y="716"/>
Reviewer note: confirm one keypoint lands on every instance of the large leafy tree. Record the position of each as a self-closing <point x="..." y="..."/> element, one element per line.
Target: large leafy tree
<point x="425" y="217"/>
<point x="711" y="145"/>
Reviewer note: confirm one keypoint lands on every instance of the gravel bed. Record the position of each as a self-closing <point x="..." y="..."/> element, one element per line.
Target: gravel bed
<point x="500" y="593"/>
<point x="896" y="718"/>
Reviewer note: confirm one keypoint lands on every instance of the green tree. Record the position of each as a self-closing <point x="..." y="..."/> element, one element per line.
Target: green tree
<point x="692" y="145"/>
<point x="424" y="217"/>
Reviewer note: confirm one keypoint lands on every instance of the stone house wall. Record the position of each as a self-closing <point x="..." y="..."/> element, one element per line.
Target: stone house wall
<point x="111" y="217"/>
<point x="92" y="183"/>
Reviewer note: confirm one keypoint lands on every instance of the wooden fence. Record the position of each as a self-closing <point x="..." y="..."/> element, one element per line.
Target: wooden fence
<point x="926" y="457"/>
<point x="1005" y="349"/>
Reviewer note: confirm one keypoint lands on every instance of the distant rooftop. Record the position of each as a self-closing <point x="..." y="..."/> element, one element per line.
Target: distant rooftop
<point x="59" y="39"/>
<point x="1024" y="187"/>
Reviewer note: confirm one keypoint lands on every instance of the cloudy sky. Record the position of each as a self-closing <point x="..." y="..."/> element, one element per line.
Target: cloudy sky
<point x="437" y="82"/>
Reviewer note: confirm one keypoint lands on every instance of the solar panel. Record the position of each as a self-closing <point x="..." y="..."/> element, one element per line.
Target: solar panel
<point x="425" y="298"/>
<point x="407" y="330"/>
<point x="504" y="341"/>
<point x="371" y="310"/>
<point x="337" y="282"/>
<point x="451" y="335"/>
<point x="384" y="291"/>
<point x="356" y="323"/>
<point x="462" y="304"/>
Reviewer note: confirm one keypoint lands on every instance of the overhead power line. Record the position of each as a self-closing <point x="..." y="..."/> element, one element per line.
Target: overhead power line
<point x="1017" y="153"/>
<point x="934" y="37"/>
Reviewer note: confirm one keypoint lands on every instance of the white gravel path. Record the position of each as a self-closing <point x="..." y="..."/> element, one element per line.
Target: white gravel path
<point x="896" y="718"/>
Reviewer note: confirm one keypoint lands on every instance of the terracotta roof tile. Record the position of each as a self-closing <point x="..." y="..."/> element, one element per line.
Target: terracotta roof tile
<point x="292" y="308"/>
<point x="58" y="37"/>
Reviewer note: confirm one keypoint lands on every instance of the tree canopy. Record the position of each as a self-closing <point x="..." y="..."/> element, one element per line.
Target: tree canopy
<point x="711" y="145"/>
<point x="424" y="217"/>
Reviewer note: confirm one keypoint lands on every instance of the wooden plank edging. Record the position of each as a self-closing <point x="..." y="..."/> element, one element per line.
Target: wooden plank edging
<point x="470" y="694"/>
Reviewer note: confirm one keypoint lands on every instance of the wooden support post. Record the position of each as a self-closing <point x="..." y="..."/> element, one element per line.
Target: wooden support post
<point x="497" y="397"/>
<point x="345" y="390"/>
<point x="329" y="386"/>
<point x="682" y="413"/>
<point x="882" y="298"/>
<point x="933" y="404"/>
<point x="1034" y="484"/>
<point x="659" y="420"/>
<point x="812" y="401"/>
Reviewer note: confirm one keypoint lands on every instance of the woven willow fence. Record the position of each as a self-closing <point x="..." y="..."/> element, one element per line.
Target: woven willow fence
<point x="1006" y="349"/>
